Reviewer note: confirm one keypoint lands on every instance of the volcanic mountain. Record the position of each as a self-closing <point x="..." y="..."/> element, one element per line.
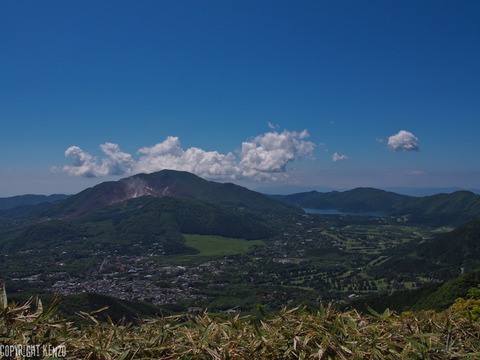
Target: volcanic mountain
<point x="168" y="183"/>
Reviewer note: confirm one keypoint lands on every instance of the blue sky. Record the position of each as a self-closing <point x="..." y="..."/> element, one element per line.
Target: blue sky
<point x="266" y="94"/>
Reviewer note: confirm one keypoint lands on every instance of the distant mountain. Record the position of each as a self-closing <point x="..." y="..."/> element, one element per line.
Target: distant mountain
<point x="456" y="208"/>
<point x="144" y="209"/>
<point x="441" y="209"/>
<point x="410" y="191"/>
<point x="427" y="191"/>
<point x="359" y="199"/>
<point x="170" y="183"/>
<point x="28" y="200"/>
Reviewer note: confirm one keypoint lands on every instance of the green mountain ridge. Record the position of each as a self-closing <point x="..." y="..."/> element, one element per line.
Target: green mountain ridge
<point x="171" y="183"/>
<point x="358" y="199"/>
<point x="29" y="200"/>
<point x="153" y="208"/>
<point x="146" y="220"/>
<point x="437" y="210"/>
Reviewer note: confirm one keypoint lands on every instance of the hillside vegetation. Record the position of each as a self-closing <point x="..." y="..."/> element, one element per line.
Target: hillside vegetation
<point x="359" y="199"/>
<point x="167" y="183"/>
<point x="436" y="210"/>
<point x="437" y="296"/>
<point x="146" y="220"/>
<point x="440" y="257"/>
<point x="290" y="334"/>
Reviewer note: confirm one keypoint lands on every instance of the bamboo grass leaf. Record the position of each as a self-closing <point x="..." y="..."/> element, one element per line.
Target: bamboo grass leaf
<point x="3" y="297"/>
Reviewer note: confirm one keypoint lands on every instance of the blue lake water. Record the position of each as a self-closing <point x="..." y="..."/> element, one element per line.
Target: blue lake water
<point x="336" y="212"/>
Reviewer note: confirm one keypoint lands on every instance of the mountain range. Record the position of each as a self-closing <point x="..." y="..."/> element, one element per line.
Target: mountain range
<point x="163" y="205"/>
<point x="152" y="213"/>
<point x="168" y="183"/>
<point x="29" y="200"/>
<point x="155" y="207"/>
<point x="453" y="209"/>
<point x="441" y="209"/>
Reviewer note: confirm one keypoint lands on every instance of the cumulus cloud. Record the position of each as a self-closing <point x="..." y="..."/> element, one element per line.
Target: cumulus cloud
<point x="337" y="157"/>
<point x="265" y="156"/>
<point x="403" y="141"/>
<point x="170" y="155"/>
<point x="116" y="162"/>
<point x="272" y="151"/>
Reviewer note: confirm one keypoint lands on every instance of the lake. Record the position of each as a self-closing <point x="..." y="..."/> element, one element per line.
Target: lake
<point x="336" y="212"/>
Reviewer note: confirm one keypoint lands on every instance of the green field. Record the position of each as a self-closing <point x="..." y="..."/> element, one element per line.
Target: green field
<point x="217" y="246"/>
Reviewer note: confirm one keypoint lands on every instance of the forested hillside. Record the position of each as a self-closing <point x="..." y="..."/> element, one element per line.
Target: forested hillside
<point x="441" y="257"/>
<point x="176" y="184"/>
<point x="143" y="221"/>
<point x="436" y="210"/>
<point x="436" y="296"/>
<point x="359" y="199"/>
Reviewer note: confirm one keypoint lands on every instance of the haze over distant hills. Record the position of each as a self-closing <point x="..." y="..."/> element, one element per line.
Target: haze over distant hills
<point x="28" y="200"/>
<point x="411" y="191"/>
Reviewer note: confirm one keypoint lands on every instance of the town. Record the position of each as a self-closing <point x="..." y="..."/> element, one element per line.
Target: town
<point x="313" y="259"/>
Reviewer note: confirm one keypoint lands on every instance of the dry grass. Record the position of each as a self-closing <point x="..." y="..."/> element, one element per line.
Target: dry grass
<point x="290" y="334"/>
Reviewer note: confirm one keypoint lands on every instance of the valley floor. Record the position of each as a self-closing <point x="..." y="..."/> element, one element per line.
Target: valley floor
<point x="315" y="259"/>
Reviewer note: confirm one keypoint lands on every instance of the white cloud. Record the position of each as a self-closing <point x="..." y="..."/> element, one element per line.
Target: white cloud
<point x="271" y="152"/>
<point x="337" y="157"/>
<point x="84" y="163"/>
<point x="265" y="156"/>
<point x="403" y="141"/>
<point x="415" y="173"/>
<point x="170" y="155"/>
<point x="273" y="126"/>
<point x="116" y="162"/>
